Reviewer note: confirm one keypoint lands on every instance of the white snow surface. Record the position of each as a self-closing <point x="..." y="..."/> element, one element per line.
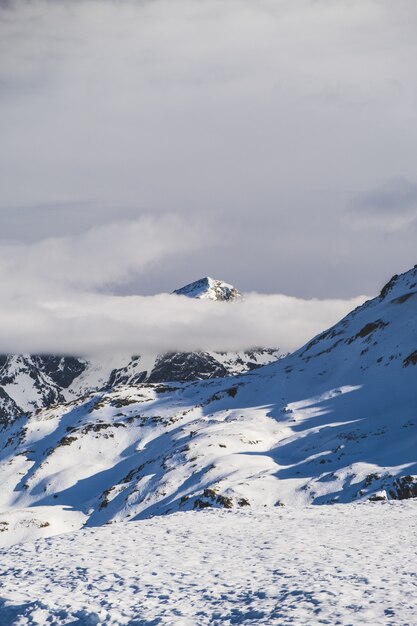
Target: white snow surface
<point x="348" y="565"/>
<point x="32" y="523"/>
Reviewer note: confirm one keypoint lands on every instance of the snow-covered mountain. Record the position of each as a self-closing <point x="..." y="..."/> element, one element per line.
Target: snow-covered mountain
<point x="334" y="422"/>
<point x="30" y="382"/>
<point x="210" y="289"/>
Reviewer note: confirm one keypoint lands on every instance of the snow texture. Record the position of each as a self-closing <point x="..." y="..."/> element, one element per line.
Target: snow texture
<point x="338" y="565"/>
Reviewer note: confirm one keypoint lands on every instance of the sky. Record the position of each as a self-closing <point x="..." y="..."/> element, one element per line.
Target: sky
<point x="148" y="143"/>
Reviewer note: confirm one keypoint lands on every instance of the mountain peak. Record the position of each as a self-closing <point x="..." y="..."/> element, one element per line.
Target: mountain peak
<point x="208" y="288"/>
<point x="400" y="284"/>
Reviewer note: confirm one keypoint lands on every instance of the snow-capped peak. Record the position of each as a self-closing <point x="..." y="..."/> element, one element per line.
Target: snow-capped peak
<point x="209" y="289"/>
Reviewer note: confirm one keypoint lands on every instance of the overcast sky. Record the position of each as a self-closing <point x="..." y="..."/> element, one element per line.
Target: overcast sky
<point x="270" y="143"/>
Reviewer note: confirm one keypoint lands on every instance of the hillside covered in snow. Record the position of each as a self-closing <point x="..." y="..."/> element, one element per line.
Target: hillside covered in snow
<point x="335" y="422"/>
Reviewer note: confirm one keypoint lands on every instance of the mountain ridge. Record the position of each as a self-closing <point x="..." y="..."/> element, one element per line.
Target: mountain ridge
<point x="334" y="422"/>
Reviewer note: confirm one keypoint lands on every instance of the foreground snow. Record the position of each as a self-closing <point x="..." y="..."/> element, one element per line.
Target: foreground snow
<point x="342" y="564"/>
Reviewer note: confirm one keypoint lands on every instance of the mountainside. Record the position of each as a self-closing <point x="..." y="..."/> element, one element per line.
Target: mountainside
<point x="334" y="422"/>
<point x="23" y="379"/>
<point x="30" y="382"/>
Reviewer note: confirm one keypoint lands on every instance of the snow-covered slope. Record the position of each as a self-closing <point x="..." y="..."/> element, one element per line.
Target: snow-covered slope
<point x="26" y="384"/>
<point x="29" y="382"/>
<point x="352" y="565"/>
<point x="334" y="422"/>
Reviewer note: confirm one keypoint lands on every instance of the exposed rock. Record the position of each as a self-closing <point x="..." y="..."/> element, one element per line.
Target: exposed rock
<point x="404" y="488"/>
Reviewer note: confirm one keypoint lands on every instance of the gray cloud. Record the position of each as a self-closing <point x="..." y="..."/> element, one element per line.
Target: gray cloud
<point x="56" y="297"/>
<point x="397" y="195"/>
<point x="263" y="120"/>
<point x="89" y="324"/>
<point x="391" y="206"/>
<point x="104" y="256"/>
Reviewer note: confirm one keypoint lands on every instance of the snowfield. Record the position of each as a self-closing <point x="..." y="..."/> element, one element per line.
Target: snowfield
<point x="344" y="565"/>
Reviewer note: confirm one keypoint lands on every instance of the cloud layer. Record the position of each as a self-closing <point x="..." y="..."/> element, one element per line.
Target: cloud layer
<point x="58" y="297"/>
<point x="103" y="256"/>
<point x="262" y="120"/>
<point x="392" y="206"/>
<point x="101" y="324"/>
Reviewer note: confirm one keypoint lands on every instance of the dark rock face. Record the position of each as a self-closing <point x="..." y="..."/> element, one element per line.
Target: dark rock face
<point x="186" y="366"/>
<point x="62" y="370"/>
<point x="42" y="390"/>
<point x="404" y="488"/>
<point x="123" y="376"/>
<point x="369" y="328"/>
<point x="411" y="359"/>
<point x="388" y="287"/>
<point x="9" y="411"/>
<point x="390" y="487"/>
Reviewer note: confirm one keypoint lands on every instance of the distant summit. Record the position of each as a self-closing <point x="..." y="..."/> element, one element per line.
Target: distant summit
<point x="209" y="289"/>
